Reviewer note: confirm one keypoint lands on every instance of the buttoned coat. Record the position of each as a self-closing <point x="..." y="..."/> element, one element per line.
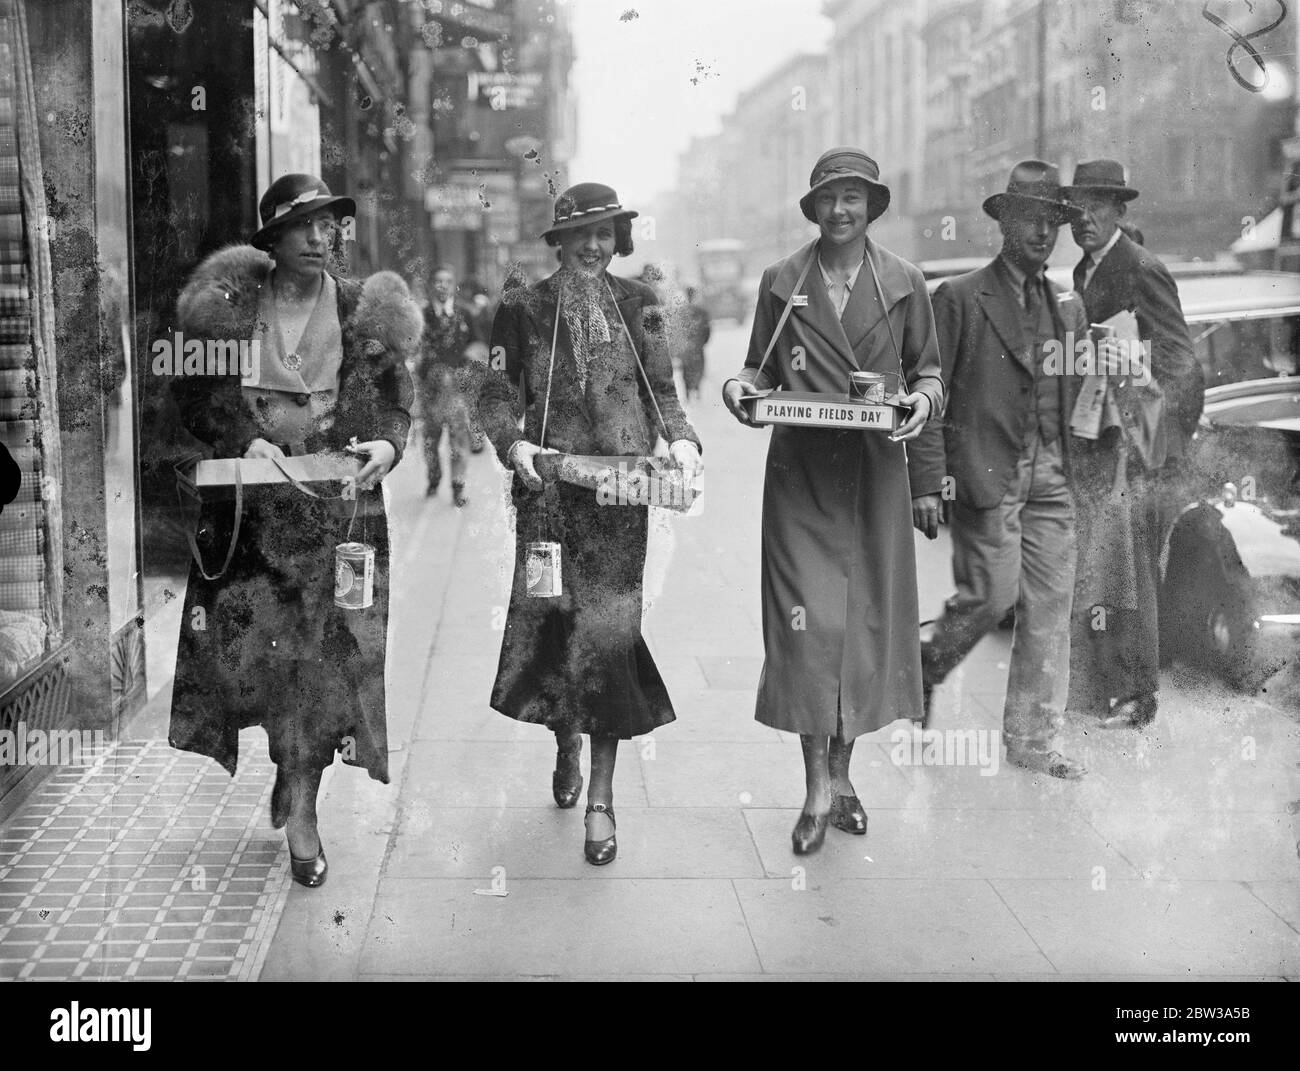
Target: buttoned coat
<point x="840" y="617"/>
<point x="265" y="643"/>
<point x="579" y="662"/>
<point x="1132" y="278"/>
<point x="988" y="365"/>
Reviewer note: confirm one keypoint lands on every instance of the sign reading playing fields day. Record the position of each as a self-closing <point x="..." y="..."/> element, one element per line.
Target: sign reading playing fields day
<point x="812" y="410"/>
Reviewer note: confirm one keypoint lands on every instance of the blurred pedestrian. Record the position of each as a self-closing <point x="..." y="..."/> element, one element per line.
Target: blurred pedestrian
<point x="263" y="640"/>
<point x="448" y="384"/>
<point x="587" y="361"/>
<point x="840" y="615"/>
<point x="694" y="331"/>
<point x="1005" y="446"/>
<point x="1130" y="477"/>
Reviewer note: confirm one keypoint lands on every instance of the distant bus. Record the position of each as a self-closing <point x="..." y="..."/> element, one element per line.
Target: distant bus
<point x="722" y="277"/>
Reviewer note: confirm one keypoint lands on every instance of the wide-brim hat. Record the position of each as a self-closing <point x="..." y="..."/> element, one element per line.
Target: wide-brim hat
<point x="846" y="163"/>
<point x="1033" y="184"/>
<point x="291" y="197"/>
<point x="1105" y="177"/>
<point x="584" y="204"/>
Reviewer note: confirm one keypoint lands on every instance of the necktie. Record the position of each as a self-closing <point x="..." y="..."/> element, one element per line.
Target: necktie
<point x="1031" y="295"/>
<point x="1081" y="273"/>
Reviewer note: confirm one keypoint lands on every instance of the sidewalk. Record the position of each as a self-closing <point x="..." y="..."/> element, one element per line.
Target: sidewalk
<point x="1175" y="858"/>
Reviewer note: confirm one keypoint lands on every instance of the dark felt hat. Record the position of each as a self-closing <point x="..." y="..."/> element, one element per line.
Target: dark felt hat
<point x="1101" y="177"/>
<point x="291" y="197"/>
<point x="584" y="204"/>
<point x="1033" y="184"/>
<point x="842" y="163"/>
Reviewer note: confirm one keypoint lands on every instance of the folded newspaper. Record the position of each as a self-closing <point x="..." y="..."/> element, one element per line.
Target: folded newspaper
<point x="630" y="480"/>
<point x="1095" y="408"/>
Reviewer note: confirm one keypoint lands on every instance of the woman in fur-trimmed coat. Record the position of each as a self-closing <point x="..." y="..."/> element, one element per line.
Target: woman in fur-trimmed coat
<point x="265" y="644"/>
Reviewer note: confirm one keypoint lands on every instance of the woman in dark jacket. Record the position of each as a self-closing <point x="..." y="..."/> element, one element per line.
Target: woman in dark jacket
<point x="584" y="351"/>
<point x="262" y="641"/>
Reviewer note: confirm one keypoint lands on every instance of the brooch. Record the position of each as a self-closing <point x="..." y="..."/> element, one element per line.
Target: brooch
<point x="799" y="301"/>
<point x="291" y="361"/>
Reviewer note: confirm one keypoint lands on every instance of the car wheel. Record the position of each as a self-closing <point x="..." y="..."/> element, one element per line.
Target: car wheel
<point x="1185" y="600"/>
<point x="1231" y="638"/>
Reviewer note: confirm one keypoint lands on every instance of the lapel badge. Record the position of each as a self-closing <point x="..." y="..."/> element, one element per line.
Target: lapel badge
<point x="800" y="301"/>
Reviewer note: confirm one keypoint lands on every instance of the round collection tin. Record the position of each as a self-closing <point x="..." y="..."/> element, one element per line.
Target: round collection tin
<point x="542" y="570"/>
<point x="867" y="387"/>
<point x="354" y="576"/>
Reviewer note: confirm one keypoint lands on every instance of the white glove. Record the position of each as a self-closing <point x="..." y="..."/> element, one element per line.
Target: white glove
<point x="687" y="455"/>
<point x="521" y="456"/>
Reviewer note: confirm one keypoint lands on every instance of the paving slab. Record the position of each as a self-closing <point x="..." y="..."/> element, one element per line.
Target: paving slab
<point x="1164" y="927"/>
<point x="883" y="927"/>
<point x="606" y="927"/>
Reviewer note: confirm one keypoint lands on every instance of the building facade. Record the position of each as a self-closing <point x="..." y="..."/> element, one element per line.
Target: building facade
<point x="947" y="95"/>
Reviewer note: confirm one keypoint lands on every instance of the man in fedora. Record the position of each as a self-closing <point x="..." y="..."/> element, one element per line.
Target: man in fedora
<point x="1004" y="446"/>
<point x="1119" y="477"/>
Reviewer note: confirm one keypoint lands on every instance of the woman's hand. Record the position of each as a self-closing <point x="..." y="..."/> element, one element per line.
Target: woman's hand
<point x="732" y="391"/>
<point x="521" y="456"/>
<point x="927" y="512"/>
<point x="262" y="448"/>
<point x="381" y="457"/>
<point x="920" y="404"/>
<point x="687" y="455"/>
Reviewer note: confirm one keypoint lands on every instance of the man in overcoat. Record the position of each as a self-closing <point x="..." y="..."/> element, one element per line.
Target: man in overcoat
<point x="1005" y="447"/>
<point x="839" y="569"/>
<point x="1115" y="655"/>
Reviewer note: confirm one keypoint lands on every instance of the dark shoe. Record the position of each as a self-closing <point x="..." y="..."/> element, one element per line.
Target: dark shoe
<point x="458" y="494"/>
<point x="847" y="814"/>
<point x="280" y="800"/>
<point x="809" y="832"/>
<point x="600" y="852"/>
<point x="566" y="781"/>
<point x="1135" y="713"/>
<point x="309" y="872"/>
<point x="1048" y="762"/>
<point x="431" y="490"/>
<point x="476" y="447"/>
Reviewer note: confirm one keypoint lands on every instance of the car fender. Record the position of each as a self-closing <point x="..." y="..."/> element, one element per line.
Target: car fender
<point x="1266" y="548"/>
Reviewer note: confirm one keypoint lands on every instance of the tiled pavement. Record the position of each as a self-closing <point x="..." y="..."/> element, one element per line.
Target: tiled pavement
<point x="148" y="863"/>
<point x="1174" y="859"/>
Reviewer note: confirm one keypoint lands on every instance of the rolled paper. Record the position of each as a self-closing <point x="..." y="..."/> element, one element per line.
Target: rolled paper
<point x="627" y="480"/>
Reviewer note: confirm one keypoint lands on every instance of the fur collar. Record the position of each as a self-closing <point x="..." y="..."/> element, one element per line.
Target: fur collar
<point x="221" y="298"/>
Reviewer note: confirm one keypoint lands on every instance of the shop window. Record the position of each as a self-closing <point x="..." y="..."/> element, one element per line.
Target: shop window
<point x="29" y="598"/>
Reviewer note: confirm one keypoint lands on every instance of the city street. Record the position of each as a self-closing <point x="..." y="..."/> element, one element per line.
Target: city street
<point x="1175" y="858"/>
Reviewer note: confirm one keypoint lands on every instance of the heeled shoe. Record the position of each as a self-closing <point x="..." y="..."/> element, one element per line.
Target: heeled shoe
<point x="847" y="814"/>
<point x="600" y="852"/>
<point x="809" y="832"/>
<point x="309" y="872"/>
<point x="566" y="781"/>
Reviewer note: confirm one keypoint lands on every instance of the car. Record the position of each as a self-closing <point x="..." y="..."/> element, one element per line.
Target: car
<point x="1230" y="583"/>
<point x="936" y="271"/>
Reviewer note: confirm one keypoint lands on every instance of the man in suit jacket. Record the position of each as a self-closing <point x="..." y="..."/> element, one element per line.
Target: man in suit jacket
<point x="1002" y="333"/>
<point x="448" y="383"/>
<point x="1115" y="653"/>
